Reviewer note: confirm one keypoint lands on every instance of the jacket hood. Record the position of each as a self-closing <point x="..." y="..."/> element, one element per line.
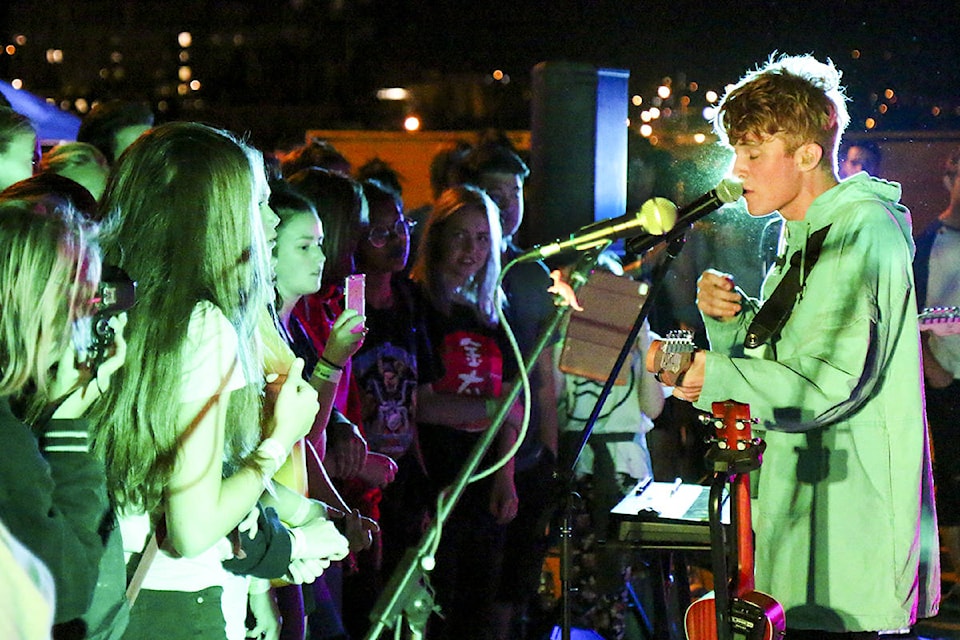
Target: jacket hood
<point x="863" y="188"/>
<point x="840" y="205"/>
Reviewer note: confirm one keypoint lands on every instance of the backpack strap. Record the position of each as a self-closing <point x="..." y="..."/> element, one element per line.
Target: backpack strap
<point x="143" y="565"/>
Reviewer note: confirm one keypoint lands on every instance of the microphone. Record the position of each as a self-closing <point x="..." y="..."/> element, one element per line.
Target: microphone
<point x="729" y="190"/>
<point x="656" y="216"/>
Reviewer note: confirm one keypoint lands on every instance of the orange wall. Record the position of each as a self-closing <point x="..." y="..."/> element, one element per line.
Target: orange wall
<point x="914" y="159"/>
<point x="409" y="153"/>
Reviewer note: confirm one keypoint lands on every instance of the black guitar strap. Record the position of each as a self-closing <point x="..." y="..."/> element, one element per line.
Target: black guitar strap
<point x="776" y="309"/>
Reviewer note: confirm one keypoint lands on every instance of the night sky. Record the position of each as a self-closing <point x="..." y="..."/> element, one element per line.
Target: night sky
<point x="912" y="48"/>
<point x="913" y="44"/>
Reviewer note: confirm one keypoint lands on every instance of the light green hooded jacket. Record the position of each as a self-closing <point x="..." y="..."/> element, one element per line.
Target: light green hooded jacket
<point x="840" y="405"/>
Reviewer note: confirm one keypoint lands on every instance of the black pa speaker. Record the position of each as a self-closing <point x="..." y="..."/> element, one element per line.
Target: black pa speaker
<point x="578" y="149"/>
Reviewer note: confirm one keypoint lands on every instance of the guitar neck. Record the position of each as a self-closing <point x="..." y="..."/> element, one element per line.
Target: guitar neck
<point x="737" y="450"/>
<point x="942" y="321"/>
<point x="744" y="531"/>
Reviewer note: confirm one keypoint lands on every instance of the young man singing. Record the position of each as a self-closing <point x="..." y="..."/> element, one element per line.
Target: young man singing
<point x="843" y="513"/>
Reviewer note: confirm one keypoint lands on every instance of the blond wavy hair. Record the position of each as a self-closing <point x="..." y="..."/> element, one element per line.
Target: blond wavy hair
<point x="797" y="97"/>
<point x="481" y="291"/>
<point x="182" y="206"/>
<point x="49" y="270"/>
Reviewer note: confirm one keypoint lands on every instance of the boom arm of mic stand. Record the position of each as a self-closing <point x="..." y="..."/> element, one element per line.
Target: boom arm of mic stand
<point x="642" y="244"/>
<point x="406" y="589"/>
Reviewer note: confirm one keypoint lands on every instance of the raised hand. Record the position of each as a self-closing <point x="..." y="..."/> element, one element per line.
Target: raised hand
<point x="343" y="341"/>
<point x="359" y="530"/>
<point x="81" y="390"/>
<point x="346" y="450"/>
<point x="717" y="296"/>
<point x="379" y="470"/>
<point x="319" y="538"/>
<point x="305" y="570"/>
<point x="296" y="407"/>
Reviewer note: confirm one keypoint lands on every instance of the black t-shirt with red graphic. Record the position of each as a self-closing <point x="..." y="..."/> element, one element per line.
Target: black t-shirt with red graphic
<point x="476" y="361"/>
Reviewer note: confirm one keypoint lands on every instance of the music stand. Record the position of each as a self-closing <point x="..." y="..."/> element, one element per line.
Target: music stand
<point x="568" y="477"/>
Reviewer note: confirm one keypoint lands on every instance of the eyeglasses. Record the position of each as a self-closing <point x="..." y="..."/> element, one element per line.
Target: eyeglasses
<point x="380" y="235"/>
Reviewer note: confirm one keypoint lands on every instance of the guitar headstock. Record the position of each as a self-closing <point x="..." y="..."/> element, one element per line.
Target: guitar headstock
<point x="734" y="445"/>
<point x="670" y="357"/>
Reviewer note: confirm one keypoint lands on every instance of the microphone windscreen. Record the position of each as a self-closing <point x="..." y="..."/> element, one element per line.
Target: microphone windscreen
<point x="729" y="190"/>
<point x="657" y="216"/>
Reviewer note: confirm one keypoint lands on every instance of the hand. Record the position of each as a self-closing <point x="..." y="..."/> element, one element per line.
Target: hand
<point x="266" y="615"/>
<point x="296" y="406"/>
<point x="343" y="342"/>
<point x="690" y="384"/>
<point x="935" y="374"/>
<point x="305" y="570"/>
<point x="300" y="516"/>
<point x="716" y="295"/>
<point x="561" y="289"/>
<point x="69" y="377"/>
<point x="378" y="470"/>
<point x="359" y="530"/>
<point x="503" y="497"/>
<point x="346" y="450"/>
<point x="250" y="524"/>
<point x="321" y="540"/>
<point x="514" y="416"/>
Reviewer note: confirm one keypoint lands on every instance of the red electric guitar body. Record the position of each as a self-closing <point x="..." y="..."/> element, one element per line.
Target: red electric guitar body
<point x="752" y="615"/>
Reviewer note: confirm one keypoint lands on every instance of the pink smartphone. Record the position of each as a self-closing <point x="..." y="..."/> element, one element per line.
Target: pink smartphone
<point x="355" y="295"/>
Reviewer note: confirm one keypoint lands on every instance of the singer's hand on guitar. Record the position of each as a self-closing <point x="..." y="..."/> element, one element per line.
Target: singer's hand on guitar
<point x="717" y="296"/>
<point x="690" y="383"/>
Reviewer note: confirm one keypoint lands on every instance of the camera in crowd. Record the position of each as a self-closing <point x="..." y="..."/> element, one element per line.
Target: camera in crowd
<point x="115" y="294"/>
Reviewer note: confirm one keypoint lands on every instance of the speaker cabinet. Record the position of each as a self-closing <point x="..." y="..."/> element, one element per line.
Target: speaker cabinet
<point x="578" y="148"/>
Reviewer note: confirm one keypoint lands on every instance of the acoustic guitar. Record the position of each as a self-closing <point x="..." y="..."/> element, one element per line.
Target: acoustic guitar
<point x="751" y="614"/>
<point x="735" y="611"/>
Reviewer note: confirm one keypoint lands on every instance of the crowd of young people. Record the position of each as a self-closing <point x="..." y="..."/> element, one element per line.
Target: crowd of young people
<point x="246" y="456"/>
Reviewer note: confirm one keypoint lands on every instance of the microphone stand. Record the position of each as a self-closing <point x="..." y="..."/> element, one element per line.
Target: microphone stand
<point x="408" y="593"/>
<point x="676" y="239"/>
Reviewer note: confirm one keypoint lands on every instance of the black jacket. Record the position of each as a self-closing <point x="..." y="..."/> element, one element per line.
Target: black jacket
<point x="53" y="499"/>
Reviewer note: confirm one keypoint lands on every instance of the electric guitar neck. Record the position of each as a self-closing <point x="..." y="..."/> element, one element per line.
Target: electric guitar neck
<point x="943" y="321"/>
<point x="670" y="357"/>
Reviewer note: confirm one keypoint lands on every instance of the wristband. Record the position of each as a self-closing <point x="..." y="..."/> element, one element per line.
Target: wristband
<point x="274" y="453"/>
<point x="338" y="367"/>
<point x="298" y="544"/>
<point x="258" y="586"/>
<point x="302" y="513"/>
<point x="324" y="372"/>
